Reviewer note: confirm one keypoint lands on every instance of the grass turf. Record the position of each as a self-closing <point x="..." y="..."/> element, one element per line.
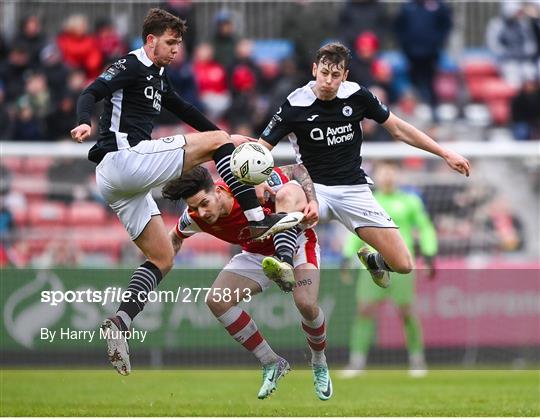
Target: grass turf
<point x="233" y="393"/>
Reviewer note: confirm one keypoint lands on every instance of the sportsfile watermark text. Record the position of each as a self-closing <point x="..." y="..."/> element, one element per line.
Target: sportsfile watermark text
<point x="116" y="295"/>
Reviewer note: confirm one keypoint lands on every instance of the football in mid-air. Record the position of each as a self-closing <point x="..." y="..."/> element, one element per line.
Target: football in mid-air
<point x="251" y="163"/>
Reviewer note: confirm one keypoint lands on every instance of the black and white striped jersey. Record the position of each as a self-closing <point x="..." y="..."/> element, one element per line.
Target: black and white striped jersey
<point x="327" y="135"/>
<point x="134" y="90"/>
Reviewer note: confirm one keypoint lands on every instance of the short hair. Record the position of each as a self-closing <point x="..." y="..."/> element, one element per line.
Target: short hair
<point x="189" y="184"/>
<point x="333" y="53"/>
<point x="157" y="21"/>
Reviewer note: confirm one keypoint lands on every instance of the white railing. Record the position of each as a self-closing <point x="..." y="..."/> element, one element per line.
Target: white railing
<point x="509" y="149"/>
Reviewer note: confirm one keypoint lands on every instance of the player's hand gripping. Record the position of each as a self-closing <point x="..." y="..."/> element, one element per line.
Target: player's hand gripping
<point x="264" y="192"/>
<point x="311" y="214"/>
<point x="81" y="132"/>
<point x="457" y="162"/>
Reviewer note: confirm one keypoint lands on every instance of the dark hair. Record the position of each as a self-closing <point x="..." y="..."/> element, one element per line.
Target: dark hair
<point x="157" y="21"/>
<point x="189" y="184"/>
<point x="333" y="53"/>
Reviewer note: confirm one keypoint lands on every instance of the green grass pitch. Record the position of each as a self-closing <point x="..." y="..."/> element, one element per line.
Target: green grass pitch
<point x="233" y="393"/>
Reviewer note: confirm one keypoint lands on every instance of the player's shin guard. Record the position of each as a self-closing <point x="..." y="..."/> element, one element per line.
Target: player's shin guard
<point x="315" y="331"/>
<point x="145" y="279"/>
<point x="244" y="330"/>
<point x="245" y="194"/>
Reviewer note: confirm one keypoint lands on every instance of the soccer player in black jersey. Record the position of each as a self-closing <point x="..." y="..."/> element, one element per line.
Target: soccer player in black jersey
<point x="323" y="122"/>
<point x="130" y="163"/>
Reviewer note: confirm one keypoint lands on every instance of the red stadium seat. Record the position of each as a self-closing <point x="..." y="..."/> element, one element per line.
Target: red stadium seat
<point x="497" y="89"/>
<point x="479" y="67"/>
<point x="86" y="214"/>
<point x="499" y="110"/>
<point x="47" y="213"/>
<point x="37" y="165"/>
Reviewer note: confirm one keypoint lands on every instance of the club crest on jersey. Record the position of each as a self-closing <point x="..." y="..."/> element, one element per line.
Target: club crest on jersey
<point x="347" y="111"/>
<point x="274" y="180"/>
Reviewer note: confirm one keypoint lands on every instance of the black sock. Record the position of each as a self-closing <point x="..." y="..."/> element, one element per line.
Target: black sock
<point x="285" y="244"/>
<point x="145" y="279"/>
<point x="375" y="261"/>
<point x="244" y="194"/>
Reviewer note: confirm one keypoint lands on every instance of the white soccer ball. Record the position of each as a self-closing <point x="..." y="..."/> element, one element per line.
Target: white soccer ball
<point x="251" y="163"/>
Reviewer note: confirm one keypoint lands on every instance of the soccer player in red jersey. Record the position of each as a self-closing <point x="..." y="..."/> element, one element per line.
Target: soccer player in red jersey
<point x="213" y="209"/>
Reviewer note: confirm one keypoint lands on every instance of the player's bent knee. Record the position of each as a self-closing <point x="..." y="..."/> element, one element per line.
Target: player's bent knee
<point x="218" y="306"/>
<point x="290" y="197"/>
<point x="404" y="265"/>
<point x="307" y="309"/>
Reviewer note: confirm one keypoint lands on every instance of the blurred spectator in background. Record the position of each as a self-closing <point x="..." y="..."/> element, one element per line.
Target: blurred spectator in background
<point x="3" y="48"/>
<point x="55" y="71"/>
<point x="422" y="28"/>
<point x="32" y="38"/>
<point x="526" y="111"/>
<point x="225" y="38"/>
<point x="5" y="118"/>
<point x="182" y="77"/>
<point x="12" y="72"/>
<point x="211" y="80"/>
<point x="62" y="119"/>
<point x="365" y="49"/>
<point x="511" y="38"/>
<point x="358" y="16"/>
<point x="367" y="69"/>
<point x="308" y="24"/>
<point x="36" y="94"/>
<point x="244" y="77"/>
<point x="27" y="126"/>
<point x="79" y="48"/>
<point x="110" y="43"/>
<point x="184" y="10"/>
<point x="504" y="228"/>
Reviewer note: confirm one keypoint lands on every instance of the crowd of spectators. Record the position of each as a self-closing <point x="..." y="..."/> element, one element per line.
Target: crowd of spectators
<point x="42" y="73"/>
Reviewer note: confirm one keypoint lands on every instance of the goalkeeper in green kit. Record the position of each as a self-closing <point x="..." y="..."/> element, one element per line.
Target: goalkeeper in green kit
<point x="408" y="213"/>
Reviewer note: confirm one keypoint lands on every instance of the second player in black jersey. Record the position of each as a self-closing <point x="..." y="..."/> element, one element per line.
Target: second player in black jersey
<point x="327" y="134"/>
<point x="323" y="122"/>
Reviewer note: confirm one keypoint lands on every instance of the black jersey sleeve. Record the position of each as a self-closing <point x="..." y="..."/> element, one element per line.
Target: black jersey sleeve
<point x="117" y="76"/>
<point x="120" y="74"/>
<point x="375" y="110"/>
<point x="278" y="127"/>
<point x="186" y="111"/>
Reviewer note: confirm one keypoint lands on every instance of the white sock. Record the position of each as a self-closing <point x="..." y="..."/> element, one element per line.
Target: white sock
<point x="315" y="331"/>
<point x="255" y="214"/>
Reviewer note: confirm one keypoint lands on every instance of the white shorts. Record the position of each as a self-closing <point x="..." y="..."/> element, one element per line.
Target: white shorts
<point x="249" y="264"/>
<point x="352" y="205"/>
<point x="126" y="177"/>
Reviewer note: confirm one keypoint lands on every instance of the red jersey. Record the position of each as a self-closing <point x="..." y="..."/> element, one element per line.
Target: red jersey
<point x="228" y="228"/>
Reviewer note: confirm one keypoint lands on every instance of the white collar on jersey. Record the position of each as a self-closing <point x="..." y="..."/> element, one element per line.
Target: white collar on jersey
<point x="304" y="96"/>
<point x="143" y="58"/>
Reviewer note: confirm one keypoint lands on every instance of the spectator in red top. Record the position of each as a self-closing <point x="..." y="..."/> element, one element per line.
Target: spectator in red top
<point x="110" y="42"/>
<point x="79" y="48"/>
<point x="211" y="80"/>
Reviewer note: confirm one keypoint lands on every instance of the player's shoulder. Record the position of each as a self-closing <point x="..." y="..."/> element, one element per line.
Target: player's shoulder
<point x="352" y="90"/>
<point x="302" y="97"/>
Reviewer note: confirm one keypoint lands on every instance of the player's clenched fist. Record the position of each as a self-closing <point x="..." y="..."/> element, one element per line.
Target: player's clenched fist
<point x="81" y="133"/>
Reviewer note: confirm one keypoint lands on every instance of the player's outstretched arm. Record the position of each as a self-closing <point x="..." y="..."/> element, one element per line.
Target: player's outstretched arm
<point x="403" y="131"/>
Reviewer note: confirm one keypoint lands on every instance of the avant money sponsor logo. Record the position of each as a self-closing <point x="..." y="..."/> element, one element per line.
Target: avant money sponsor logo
<point x="333" y="136"/>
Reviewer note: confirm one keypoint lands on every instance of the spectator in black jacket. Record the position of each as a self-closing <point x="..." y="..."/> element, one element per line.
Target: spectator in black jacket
<point x="422" y="28"/>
